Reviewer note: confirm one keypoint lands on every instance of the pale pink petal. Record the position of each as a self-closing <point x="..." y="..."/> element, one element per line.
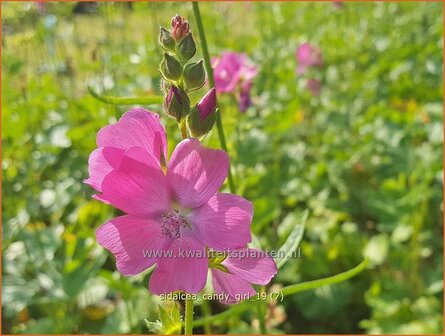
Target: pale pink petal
<point x="136" y="188"/>
<point x="313" y="85"/>
<point x="232" y="285"/>
<point x="253" y="265"/>
<point x="130" y="239"/>
<point x="304" y="54"/>
<point x="195" y="173"/>
<point x="224" y="221"/>
<point x="105" y="159"/>
<point x="227" y="71"/>
<point x="100" y="163"/>
<point x="249" y="70"/>
<point x="136" y="128"/>
<point x="182" y="266"/>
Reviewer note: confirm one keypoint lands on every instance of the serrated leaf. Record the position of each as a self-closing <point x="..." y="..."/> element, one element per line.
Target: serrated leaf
<point x="169" y="320"/>
<point x="292" y="242"/>
<point x="154" y="327"/>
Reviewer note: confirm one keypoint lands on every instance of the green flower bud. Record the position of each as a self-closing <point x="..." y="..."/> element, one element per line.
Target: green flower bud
<point x="171" y="69"/>
<point x="165" y="86"/>
<point x="177" y="103"/>
<point x="194" y="75"/>
<point x="166" y="40"/>
<point x="186" y="48"/>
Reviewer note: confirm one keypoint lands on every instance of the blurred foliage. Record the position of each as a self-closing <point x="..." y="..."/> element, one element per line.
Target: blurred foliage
<point x="365" y="157"/>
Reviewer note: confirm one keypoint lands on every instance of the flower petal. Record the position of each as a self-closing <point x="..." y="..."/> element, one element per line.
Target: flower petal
<point x="236" y="288"/>
<point x="226" y="72"/>
<point x="195" y="173"/>
<point x="224" y="221"/>
<point x="136" y="188"/>
<point x="253" y="265"/>
<point x="100" y="163"/>
<point x="130" y="238"/>
<point x="183" y="266"/>
<point x="137" y="127"/>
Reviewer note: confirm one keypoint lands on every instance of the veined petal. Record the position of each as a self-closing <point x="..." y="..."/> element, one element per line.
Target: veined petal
<point x="130" y="239"/>
<point x="100" y="163"/>
<point x="182" y="266"/>
<point x="224" y="221"/>
<point x="237" y="288"/>
<point x="195" y="173"/>
<point x="136" y="188"/>
<point x="253" y="265"/>
<point x="136" y="128"/>
<point x="105" y="159"/>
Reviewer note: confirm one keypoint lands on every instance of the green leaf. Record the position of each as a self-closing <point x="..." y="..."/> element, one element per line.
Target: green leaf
<point x="292" y="242"/>
<point x="154" y="327"/>
<point x="169" y="320"/>
<point x="153" y="100"/>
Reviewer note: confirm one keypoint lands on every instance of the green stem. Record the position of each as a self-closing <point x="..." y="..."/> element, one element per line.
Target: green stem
<point x="304" y="286"/>
<point x="183" y="128"/>
<point x="188" y="327"/>
<point x="208" y="65"/>
<point x="207" y="312"/>
<point x="286" y="291"/>
<point x="262" y="310"/>
<point x="153" y="100"/>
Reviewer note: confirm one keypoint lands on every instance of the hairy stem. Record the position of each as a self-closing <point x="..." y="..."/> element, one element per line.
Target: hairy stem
<point x="188" y="327"/>
<point x="262" y="309"/>
<point x="208" y="66"/>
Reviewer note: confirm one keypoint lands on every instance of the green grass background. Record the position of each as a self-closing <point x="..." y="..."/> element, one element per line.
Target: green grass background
<point x="365" y="157"/>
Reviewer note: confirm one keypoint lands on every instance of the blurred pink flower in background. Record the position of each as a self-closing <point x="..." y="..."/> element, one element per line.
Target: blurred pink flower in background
<point x="244" y="97"/>
<point x="338" y="4"/>
<point x="167" y="212"/>
<point x="41" y="7"/>
<point x="307" y="56"/>
<point x="233" y="72"/>
<point x="313" y="85"/>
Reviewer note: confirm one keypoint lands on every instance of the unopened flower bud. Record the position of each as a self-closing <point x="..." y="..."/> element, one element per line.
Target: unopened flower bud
<point x="194" y="75"/>
<point x="203" y="115"/>
<point x="171" y="69"/>
<point x="166" y="40"/>
<point x="177" y="103"/>
<point x="180" y="27"/>
<point x="207" y="105"/>
<point x="187" y="47"/>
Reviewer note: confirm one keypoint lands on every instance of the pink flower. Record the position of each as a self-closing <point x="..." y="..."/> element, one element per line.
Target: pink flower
<point x="308" y="56"/>
<point x="245" y="267"/>
<point x="232" y="71"/>
<point x="313" y="85"/>
<point x="171" y="217"/>
<point x="244" y="98"/>
<point x="338" y="4"/>
<point x="41" y="7"/>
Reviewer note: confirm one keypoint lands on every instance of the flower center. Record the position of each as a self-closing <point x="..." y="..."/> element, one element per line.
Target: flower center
<point x="171" y="224"/>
